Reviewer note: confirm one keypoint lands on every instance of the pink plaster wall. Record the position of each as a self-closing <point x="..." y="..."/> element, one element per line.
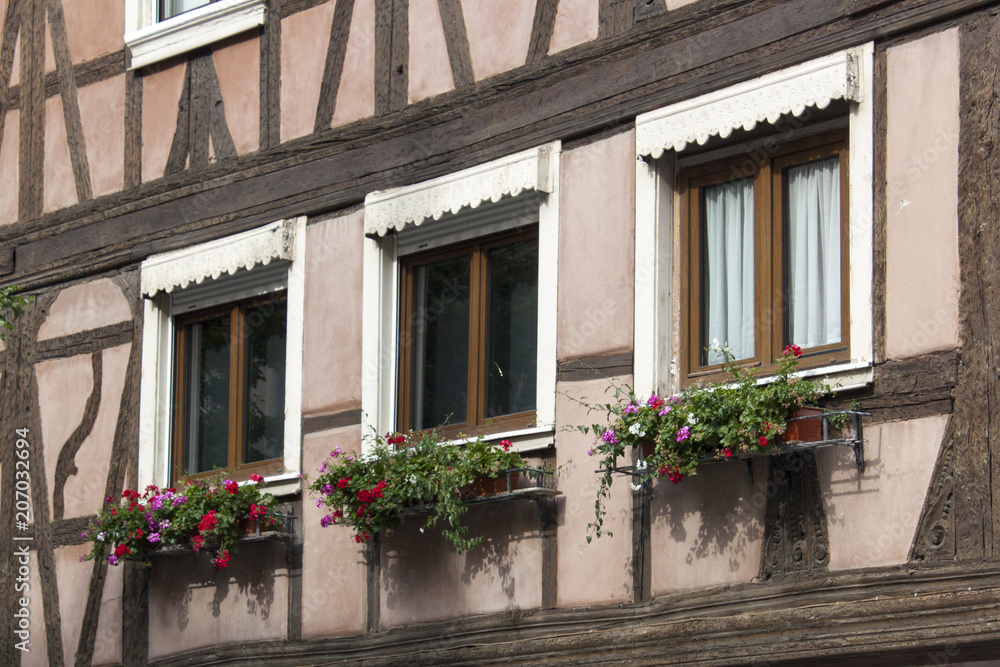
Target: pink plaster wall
<point x="922" y="269"/>
<point x="237" y="65"/>
<point x="599" y="572"/>
<point x="73" y="579"/>
<point x="424" y="579"/>
<point x="63" y="388"/>
<point x="707" y="530"/>
<point x="499" y="33"/>
<point x="191" y="604"/>
<point x="86" y="306"/>
<point x="84" y="491"/>
<point x="872" y="517"/>
<point x="334" y="577"/>
<point x="59" y="183"/>
<point x="161" y="94"/>
<point x="430" y="70"/>
<point x="597" y="248"/>
<point x="356" y="96"/>
<point x="9" y="167"/>
<point x="677" y="4"/>
<point x="331" y="381"/>
<point x="576" y="23"/>
<point x="304" y="39"/>
<point x="102" y="111"/>
<point x="95" y="27"/>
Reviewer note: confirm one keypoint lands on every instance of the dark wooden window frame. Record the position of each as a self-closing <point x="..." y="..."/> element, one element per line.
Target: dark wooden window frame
<point x="475" y="423"/>
<point x="769" y="233"/>
<point x="237" y="389"/>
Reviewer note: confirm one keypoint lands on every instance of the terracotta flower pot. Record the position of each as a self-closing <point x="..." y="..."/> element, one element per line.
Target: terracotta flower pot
<point x="804" y="430"/>
<point x="484" y="486"/>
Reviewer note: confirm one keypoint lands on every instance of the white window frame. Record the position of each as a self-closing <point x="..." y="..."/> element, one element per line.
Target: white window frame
<point x="452" y="197"/>
<point x="218" y="271"/>
<point x="151" y="41"/>
<point x="662" y="134"/>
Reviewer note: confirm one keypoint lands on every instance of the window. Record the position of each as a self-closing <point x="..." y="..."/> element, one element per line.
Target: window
<point x="754" y="228"/>
<point x="764" y="256"/>
<point x="229" y="387"/>
<point x="469" y="337"/>
<point x="460" y="302"/>
<point x="156" y="30"/>
<point x="222" y="357"/>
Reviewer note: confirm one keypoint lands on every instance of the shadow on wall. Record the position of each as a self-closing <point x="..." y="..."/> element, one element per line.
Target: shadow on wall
<point x="183" y="583"/>
<point x="423" y="578"/>
<point x="713" y="519"/>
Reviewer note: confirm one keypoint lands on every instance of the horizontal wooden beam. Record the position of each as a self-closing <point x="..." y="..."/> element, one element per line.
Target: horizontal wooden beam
<point x="901" y="616"/>
<point x="669" y="58"/>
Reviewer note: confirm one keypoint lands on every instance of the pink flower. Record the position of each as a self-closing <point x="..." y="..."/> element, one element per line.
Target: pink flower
<point x="794" y="350"/>
<point x="256" y="478"/>
<point x="683" y="434"/>
<point x="505" y="444"/>
<point x="609" y="437"/>
<point x="631" y="409"/>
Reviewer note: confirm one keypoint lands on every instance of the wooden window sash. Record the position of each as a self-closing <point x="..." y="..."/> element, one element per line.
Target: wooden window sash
<point x="770" y="327"/>
<point x="475" y="422"/>
<point x="236" y="448"/>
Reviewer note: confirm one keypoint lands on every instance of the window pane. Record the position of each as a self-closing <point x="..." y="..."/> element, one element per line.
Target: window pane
<point x="264" y="403"/>
<point x="206" y="395"/>
<point x="727" y="269"/>
<point x="812" y="268"/>
<point x="174" y="7"/>
<point x="440" y="339"/>
<point x="512" y="329"/>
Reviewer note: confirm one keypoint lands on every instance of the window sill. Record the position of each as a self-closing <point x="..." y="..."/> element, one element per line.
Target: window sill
<point x="283" y="485"/>
<point x="191" y="30"/>
<point x="522" y="440"/>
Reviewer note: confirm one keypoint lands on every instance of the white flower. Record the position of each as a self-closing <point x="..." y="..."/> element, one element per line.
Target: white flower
<point x="635" y="487"/>
<point x="100" y="536"/>
<point x="634" y="429"/>
<point x="641" y="465"/>
<point x="692" y="419"/>
<point x="642" y="434"/>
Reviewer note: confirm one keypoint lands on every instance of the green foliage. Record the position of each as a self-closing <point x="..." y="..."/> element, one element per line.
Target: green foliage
<point x="11" y="307"/>
<point x="400" y="472"/>
<point x="737" y="416"/>
<point x="206" y="512"/>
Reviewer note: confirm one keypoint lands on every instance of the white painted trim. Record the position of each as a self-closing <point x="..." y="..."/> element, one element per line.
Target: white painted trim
<point x="657" y="306"/>
<point x="766" y="98"/>
<point x="180" y="268"/>
<point x="381" y="281"/>
<point x="522" y="440"/>
<point x="151" y="42"/>
<point x="532" y="169"/>
<point x="157" y="350"/>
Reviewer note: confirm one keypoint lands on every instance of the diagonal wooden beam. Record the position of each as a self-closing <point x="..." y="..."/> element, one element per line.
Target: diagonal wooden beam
<point x="456" y="38"/>
<point x="66" y="464"/>
<point x="541" y="29"/>
<point x="70" y="102"/>
<point x="334" y="67"/>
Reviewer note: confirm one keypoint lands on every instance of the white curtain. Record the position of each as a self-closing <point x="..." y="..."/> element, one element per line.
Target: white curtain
<point x="728" y="268"/>
<point x="812" y="280"/>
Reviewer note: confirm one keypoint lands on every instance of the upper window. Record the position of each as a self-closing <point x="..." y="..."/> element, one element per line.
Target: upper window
<point x="469" y="337"/>
<point x="229" y="387"/>
<point x="460" y="302"/>
<point x="156" y="30"/>
<point x="765" y="256"/>
<point x="222" y="357"/>
<point x="753" y="228"/>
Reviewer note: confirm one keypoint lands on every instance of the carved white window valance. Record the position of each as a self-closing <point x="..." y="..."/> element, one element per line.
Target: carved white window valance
<point x="812" y="84"/>
<point x="166" y="272"/>
<point x="394" y="209"/>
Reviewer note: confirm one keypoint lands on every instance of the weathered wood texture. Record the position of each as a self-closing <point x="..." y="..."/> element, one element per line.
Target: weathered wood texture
<point x="899" y="617"/>
<point x="593" y="368"/>
<point x="133" y="130"/>
<point x="615" y="17"/>
<point x="796" y="538"/>
<point x="270" y="77"/>
<point x="84" y="342"/>
<point x="201" y="115"/>
<point x="664" y="59"/>
<point x="334" y="67"/>
<point x="541" y="29"/>
<point x="879" y="219"/>
<point x="31" y="157"/>
<point x="326" y="422"/>
<point x="456" y="39"/>
<point x="392" y="68"/>
<point x="962" y="512"/>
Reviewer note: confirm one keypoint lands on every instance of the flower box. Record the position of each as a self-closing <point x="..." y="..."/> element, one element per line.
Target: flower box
<point x="805" y="425"/>
<point x="485" y="486"/>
